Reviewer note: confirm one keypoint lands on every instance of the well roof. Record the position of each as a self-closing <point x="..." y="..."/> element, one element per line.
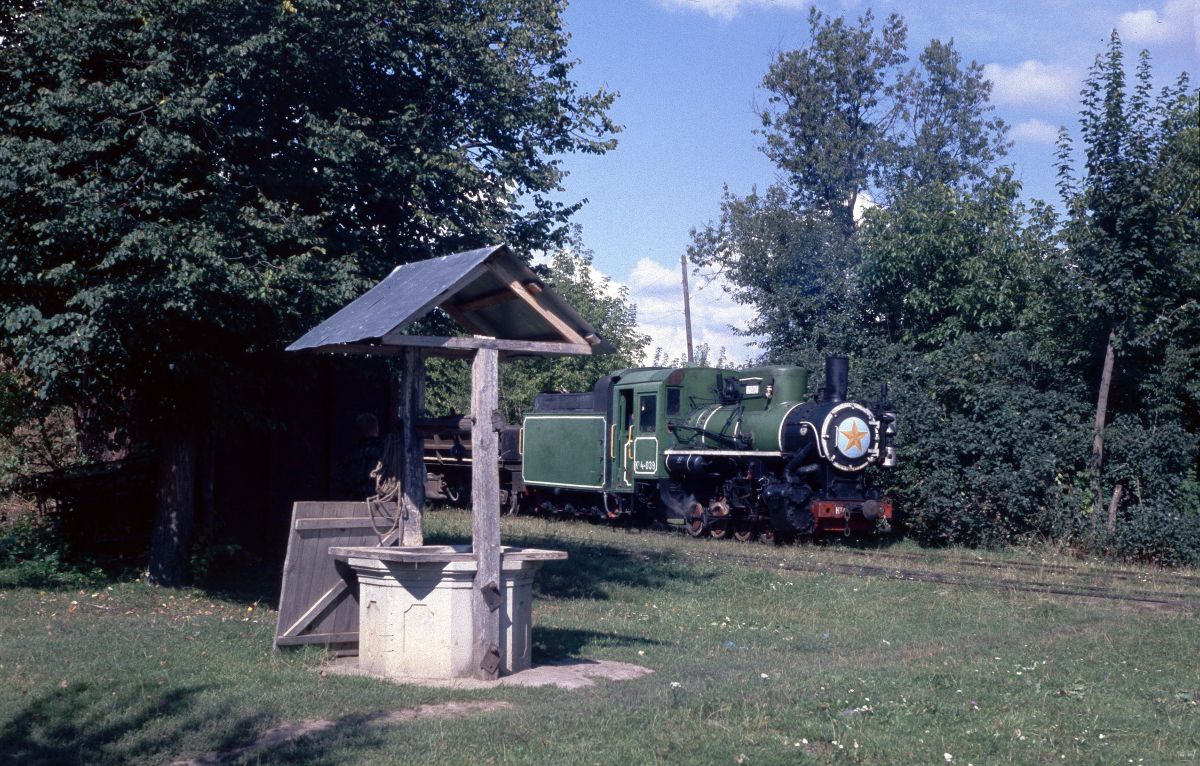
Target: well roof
<point x="489" y="292"/>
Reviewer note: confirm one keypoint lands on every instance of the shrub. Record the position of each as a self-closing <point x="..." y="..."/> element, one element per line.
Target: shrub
<point x="1158" y="518"/>
<point x="991" y="442"/>
<point x="32" y="556"/>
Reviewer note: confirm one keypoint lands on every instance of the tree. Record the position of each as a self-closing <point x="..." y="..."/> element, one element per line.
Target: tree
<point x="943" y="262"/>
<point x="796" y="268"/>
<point x="946" y="134"/>
<point x="848" y="124"/>
<point x="831" y="110"/>
<point x="846" y="119"/>
<point x="1131" y="224"/>
<point x="186" y="183"/>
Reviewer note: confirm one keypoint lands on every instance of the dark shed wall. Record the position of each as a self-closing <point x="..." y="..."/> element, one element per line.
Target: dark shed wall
<point x="300" y="449"/>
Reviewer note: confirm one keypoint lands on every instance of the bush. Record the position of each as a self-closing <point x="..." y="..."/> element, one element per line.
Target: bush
<point x="992" y="443"/>
<point x="1159" y="516"/>
<point x="32" y="556"/>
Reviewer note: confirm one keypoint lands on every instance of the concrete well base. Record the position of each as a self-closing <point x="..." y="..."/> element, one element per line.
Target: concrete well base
<point x="415" y="608"/>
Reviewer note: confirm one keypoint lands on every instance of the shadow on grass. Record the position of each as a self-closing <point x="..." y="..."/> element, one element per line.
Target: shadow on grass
<point x="592" y="570"/>
<point x="563" y="643"/>
<point x="860" y="542"/>
<point x="82" y="723"/>
<point x="245" y="580"/>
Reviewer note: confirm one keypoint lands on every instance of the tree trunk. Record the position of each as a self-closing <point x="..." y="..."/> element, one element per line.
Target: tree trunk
<point x="1112" y="507"/>
<point x="206" y="483"/>
<point x="175" y="503"/>
<point x="1101" y="415"/>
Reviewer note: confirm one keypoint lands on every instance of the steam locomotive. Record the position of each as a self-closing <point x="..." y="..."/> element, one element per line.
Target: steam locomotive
<point x="721" y="452"/>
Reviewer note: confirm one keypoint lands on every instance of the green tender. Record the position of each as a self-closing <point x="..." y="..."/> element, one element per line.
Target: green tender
<point x="564" y="450"/>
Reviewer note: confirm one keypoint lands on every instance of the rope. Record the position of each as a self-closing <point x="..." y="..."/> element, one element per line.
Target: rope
<point x="384" y="505"/>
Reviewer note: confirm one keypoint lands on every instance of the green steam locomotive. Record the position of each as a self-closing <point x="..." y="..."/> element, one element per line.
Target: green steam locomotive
<point x="724" y="452"/>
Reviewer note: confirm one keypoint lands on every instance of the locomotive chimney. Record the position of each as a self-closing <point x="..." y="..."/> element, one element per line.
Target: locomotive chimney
<point x="837" y="370"/>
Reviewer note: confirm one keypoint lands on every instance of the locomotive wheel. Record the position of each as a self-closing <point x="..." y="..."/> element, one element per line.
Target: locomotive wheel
<point x="766" y="534"/>
<point x="693" y="520"/>
<point x="719" y="528"/>
<point x="743" y="530"/>
<point x="719" y="522"/>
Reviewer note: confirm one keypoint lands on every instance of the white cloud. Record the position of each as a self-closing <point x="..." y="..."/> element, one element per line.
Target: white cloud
<point x="1179" y="21"/>
<point x="727" y="9"/>
<point x="1035" y="131"/>
<point x="607" y="285"/>
<point x="1034" y="82"/>
<point x="657" y="292"/>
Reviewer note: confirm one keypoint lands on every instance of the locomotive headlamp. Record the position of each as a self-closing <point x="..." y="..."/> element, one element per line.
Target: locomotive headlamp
<point x="848" y="436"/>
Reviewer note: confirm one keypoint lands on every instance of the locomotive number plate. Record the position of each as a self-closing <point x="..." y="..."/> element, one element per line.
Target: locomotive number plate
<point x="645" y="455"/>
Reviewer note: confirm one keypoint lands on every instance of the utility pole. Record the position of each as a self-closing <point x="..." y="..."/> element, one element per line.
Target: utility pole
<point x="687" y="308"/>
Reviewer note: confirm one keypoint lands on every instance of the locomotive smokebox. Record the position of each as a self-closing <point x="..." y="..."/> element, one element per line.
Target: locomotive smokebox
<point x="837" y="370"/>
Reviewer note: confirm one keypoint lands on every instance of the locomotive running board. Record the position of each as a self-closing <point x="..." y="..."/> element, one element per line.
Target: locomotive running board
<point x="723" y="452"/>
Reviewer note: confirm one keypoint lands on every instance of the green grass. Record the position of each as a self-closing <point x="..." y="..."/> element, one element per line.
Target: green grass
<point x="753" y="663"/>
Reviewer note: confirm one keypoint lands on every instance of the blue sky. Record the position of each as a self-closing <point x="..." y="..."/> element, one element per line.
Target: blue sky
<point x="688" y="72"/>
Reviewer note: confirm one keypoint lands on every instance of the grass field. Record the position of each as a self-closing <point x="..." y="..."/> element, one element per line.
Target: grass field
<point x="761" y="655"/>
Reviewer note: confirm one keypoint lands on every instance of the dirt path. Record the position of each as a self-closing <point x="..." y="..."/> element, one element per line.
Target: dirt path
<point x="288" y="732"/>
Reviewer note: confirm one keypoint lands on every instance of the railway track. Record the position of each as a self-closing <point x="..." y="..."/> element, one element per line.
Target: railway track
<point x="1044" y="569"/>
<point x="1167" y="602"/>
<point x="1186" y="600"/>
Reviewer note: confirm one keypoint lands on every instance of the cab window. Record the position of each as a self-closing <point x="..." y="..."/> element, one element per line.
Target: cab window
<point x="647" y="413"/>
<point x="672" y="401"/>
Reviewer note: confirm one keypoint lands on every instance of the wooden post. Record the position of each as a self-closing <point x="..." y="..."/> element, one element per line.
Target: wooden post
<point x="687" y="309"/>
<point x="411" y="502"/>
<point x="485" y="509"/>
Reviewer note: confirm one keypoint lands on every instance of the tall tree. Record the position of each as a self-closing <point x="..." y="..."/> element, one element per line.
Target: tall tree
<point x="946" y="133"/>
<point x="185" y="182"/>
<point x="848" y="123"/>
<point x="832" y="109"/>
<point x="945" y="262"/>
<point x="1125" y="213"/>
<point x="796" y="268"/>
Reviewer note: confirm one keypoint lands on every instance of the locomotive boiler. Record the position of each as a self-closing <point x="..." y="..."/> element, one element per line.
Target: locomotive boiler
<point x="723" y="452"/>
